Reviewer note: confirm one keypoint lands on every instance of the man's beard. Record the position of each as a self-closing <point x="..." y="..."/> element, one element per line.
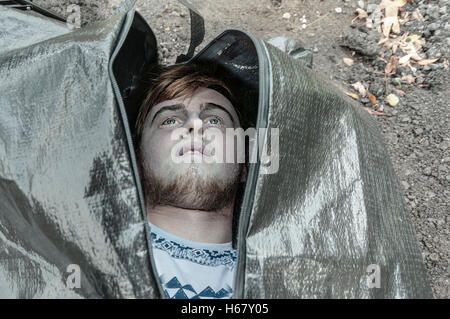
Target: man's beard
<point x="189" y="191"/>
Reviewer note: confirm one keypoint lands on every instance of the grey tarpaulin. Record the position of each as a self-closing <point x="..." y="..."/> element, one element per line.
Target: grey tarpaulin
<point x="294" y="48"/>
<point x="70" y="192"/>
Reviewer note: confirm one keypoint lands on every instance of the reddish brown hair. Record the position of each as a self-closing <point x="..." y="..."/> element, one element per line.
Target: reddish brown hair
<point x="177" y="81"/>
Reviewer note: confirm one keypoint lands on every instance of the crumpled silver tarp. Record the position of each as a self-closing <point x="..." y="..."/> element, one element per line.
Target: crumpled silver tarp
<point x="68" y="194"/>
<point x="334" y="211"/>
<point x="69" y="191"/>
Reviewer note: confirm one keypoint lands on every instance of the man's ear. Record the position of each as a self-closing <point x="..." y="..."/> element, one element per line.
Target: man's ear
<point x="244" y="174"/>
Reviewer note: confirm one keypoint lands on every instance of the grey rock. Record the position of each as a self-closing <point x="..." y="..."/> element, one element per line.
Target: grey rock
<point x="408" y="172"/>
<point x="405" y="185"/>
<point x="444" y="145"/>
<point x="434" y="257"/>
<point x="433" y="11"/>
<point x="365" y="100"/>
<point x="405" y="119"/>
<point x="418" y="131"/>
<point x="433" y="26"/>
<point x="435" y="66"/>
<point x="361" y="42"/>
<point x="427" y="171"/>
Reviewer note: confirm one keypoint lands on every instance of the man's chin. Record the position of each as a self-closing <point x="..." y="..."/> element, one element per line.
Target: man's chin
<point x="194" y="189"/>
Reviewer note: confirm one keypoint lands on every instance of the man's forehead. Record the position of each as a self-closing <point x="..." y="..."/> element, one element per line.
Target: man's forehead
<point x="197" y="102"/>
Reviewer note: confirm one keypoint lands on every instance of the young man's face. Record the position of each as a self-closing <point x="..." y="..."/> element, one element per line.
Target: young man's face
<point x="180" y="154"/>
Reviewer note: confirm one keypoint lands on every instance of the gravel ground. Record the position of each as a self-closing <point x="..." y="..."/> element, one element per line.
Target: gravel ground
<point x="416" y="130"/>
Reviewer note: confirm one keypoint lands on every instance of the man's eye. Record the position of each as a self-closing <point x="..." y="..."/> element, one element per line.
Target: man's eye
<point x="169" y="122"/>
<point x="214" y="121"/>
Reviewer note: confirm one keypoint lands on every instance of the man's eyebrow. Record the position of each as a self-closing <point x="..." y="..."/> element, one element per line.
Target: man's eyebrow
<point x="212" y="106"/>
<point x="175" y="107"/>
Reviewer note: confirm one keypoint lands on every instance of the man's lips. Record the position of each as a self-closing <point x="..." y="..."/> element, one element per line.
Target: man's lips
<point x="193" y="147"/>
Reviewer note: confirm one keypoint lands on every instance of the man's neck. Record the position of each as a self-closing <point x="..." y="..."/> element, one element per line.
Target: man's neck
<point x="213" y="227"/>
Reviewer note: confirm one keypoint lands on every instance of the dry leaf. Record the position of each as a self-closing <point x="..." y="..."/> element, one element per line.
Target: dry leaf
<point x="411" y="51"/>
<point x="383" y="41"/>
<point x="427" y="61"/>
<point x="392" y="99"/>
<point x="409" y="78"/>
<point x="394" y="47"/>
<point x="412" y="45"/>
<point x="404" y="59"/>
<point x="372" y="111"/>
<point x="361" y="15"/>
<point x="391" y="22"/>
<point x="372" y="99"/>
<point x="398" y="91"/>
<point x="352" y="95"/>
<point x="413" y="69"/>
<point x="348" y="61"/>
<point x="404" y="18"/>
<point x="391" y="6"/>
<point x="417" y="15"/>
<point x="391" y="66"/>
<point x="388" y="24"/>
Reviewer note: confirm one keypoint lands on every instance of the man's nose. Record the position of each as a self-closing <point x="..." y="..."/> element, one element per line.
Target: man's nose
<point x="194" y="127"/>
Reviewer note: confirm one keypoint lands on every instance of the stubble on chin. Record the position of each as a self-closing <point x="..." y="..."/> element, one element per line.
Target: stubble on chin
<point x="189" y="191"/>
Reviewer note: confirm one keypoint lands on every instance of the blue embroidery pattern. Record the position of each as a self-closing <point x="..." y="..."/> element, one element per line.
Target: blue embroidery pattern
<point x="200" y="256"/>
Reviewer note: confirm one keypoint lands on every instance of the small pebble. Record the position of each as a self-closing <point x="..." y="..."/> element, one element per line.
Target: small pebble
<point x="371" y="8"/>
<point x="434" y="257"/>
<point x="405" y="119"/>
<point x="418" y="131"/>
<point x="433" y="26"/>
<point x="338" y="10"/>
<point x="405" y="185"/>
